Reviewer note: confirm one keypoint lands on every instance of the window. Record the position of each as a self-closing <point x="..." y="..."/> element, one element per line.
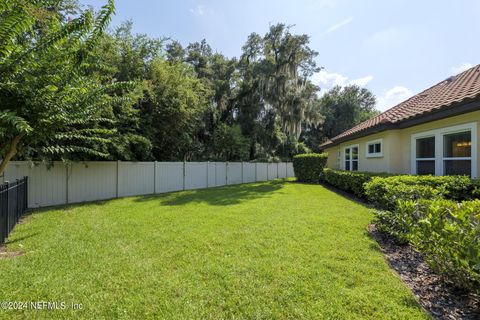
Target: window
<point x="425" y="151"/>
<point x="446" y="151"/>
<point x="457" y="153"/>
<point x="351" y="158"/>
<point x="375" y="148"/>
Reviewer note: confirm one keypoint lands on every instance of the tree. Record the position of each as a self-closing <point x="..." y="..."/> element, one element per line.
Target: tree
<point x="49" y="107"/>
<point x="176" y="101"/>
<point x="289" y="62"/>
<point x="124" y="56"/>
<point x="276" y="100"/>
<point x="346" y="107"/>
<point x="175" y="52"/>
<point x="229" y="143"/>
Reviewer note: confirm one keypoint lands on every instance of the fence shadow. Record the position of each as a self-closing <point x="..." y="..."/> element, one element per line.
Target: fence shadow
<point x="218" y="196"/>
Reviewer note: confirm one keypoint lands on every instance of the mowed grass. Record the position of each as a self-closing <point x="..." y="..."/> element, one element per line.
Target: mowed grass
<point x="274" y="250"/>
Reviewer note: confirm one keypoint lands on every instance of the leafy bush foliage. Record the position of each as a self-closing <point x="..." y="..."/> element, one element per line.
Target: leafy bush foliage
<point x="384" y="192"/>
<point x="446" y="232"/>
<point x="398" y="221"/>
<point x="308" y="167"/>
<point x="388" y="197"/>
<point x="229" y="143"/>
<point x="350" y="181"/>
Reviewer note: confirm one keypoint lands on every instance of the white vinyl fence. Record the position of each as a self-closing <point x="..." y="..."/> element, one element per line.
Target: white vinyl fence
<point x="99" y="180"/>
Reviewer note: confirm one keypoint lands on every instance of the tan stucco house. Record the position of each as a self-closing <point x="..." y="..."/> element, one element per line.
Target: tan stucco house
<point x="434" y="132"/>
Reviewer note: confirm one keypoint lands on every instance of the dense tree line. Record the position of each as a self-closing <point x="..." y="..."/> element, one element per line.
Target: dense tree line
<point x="71" y="90"/>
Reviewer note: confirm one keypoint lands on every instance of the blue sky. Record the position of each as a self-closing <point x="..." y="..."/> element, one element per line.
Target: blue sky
<point x="396" y="48"/>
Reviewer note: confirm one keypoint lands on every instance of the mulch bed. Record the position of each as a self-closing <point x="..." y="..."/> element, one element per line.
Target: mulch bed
<point x="434" y="294"/>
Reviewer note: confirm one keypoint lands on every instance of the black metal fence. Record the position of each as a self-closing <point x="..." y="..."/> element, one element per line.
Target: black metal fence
<point x="13" y="204"/>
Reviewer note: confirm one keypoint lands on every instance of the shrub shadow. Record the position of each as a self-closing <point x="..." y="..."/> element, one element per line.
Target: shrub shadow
<point x="217" y="196"/>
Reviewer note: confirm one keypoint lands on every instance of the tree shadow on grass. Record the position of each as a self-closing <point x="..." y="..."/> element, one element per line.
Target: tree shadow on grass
<point x="30" y="235"/>
<point x="218" y="196"/>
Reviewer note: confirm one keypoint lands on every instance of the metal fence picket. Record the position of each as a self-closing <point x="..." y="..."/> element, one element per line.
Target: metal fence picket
<point x="13" y="204"/>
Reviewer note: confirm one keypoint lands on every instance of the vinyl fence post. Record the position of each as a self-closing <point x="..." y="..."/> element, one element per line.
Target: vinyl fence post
<point x="216" y="163"/>
<point x="242" y="171"/>
<point x="255" y="172"/>
<point x="66" y="185"/>
<point x="208" y="165"/>
<point x="184" y="175"/>
<point x="277" y="171"/>
<point x="226" y="173"/>
<point x="155" y="177"/>
<point x="117" y="181"/>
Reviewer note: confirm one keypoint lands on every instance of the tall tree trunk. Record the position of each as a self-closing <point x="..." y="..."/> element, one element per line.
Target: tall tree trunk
<point x="12" y="150"/>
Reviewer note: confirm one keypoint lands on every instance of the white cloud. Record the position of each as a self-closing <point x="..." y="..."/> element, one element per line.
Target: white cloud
<point x="464" y="66"/>
<point x="362" y="82"/>
<point x="199" y="10"/>
<point x="337" y="26"/>
<point x="326" y="80"/>
<point x="392" y="97"/>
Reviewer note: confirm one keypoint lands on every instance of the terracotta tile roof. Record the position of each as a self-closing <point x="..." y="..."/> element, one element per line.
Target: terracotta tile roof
<point x="452" y="91"/>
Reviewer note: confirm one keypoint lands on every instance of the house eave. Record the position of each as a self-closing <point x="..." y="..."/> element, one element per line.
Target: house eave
<point x="450" y="111"/>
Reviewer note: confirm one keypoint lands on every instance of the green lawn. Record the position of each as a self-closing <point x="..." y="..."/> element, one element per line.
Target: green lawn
<point x="274" y="250"/>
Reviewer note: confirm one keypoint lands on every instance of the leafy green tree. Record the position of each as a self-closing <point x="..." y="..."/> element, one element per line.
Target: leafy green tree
<point x="229" y="143"/>
<point x="276" y="101"/>
<point x="346" y="107"/>
<point x="125" y="56"/>
<point x="49" y="107"/>
<point x="175" y="52"/>
<point x="289" y="62"/>
<point x="176" y="103"/>
<point x="132" y="53"/>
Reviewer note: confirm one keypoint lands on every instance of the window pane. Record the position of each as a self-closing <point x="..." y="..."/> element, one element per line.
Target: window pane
<point x="371" y="148"/>
<point x="347" y="165"/>
<point x="354" y="165"/>
<point x="347" y="154"/>
<point x="426" y="147"/>
<point x="457" y="144"/>
<point x="354" y="153"/>
<point x="426" y="167"/>
<point x="378" y="147"/>
<point x="458" y="167"/>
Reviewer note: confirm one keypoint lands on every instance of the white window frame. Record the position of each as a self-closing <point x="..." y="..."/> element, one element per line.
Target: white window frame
<point x="351" y="160"/>
<point x="374" y="154"/>
<point x="439" y="158"/>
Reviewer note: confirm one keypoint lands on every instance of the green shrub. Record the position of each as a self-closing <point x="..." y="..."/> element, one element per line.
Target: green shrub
<point x="399" y="220"/>
<point x="446" y="232"/>
<point x="350" y="181"/>
<point x="309" y="166"/>
<point x="385" y="195"/>
<point x="384" y="192"/>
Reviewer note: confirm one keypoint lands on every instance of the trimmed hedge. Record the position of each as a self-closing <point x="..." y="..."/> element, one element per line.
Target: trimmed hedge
<point x="385" y="192"/>
<point x="350" y="181"/>
<point x="309" y="166"/>
<point x="446" y="232"/>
